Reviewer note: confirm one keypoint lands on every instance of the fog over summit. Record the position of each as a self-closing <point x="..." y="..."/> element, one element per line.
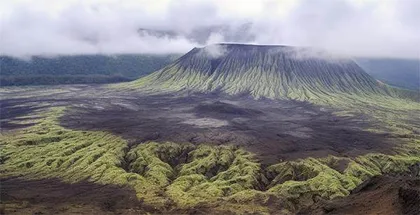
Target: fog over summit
<point x="371" y="28"/>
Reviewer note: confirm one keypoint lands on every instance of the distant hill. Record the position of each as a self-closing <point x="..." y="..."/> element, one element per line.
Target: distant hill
<point x="264" y="71"/>
<point x="403" y="73"/>
<point x="79" y="69"/>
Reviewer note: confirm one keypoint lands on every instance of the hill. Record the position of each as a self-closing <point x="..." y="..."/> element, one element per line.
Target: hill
<point x="403" y="73"/>
<point x="79" y="69"/>
<point x="265" y="71"/>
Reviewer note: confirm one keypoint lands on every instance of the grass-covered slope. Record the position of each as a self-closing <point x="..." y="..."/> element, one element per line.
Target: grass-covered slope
<point x="183" y="177"/>
<point x="79" y="69"/>
<point x="264" y="71"/>
<point x="404" y="73"/>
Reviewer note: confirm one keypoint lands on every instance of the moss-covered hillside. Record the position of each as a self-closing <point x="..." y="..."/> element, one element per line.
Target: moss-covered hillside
<point x="265" y="71"/>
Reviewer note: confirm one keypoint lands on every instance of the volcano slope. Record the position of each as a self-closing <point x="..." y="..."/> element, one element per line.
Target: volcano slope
<point x="185" y="140"/>
<point x="274" y="72"/>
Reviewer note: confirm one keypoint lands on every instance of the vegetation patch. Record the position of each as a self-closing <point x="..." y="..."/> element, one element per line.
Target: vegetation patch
<point x="170" y="176"/>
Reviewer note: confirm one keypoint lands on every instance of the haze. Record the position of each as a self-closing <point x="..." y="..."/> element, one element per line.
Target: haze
<point x="371" y="28"/>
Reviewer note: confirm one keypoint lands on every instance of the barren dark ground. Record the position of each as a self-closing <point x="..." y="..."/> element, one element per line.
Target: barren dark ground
<point x="382" y="194"/>
<point x="54" y="197"/>
<point x="274" y="130"/>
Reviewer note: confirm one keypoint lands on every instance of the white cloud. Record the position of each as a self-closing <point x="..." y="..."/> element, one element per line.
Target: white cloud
<point x="214" y="51"/>
<point x="351" y="27"/>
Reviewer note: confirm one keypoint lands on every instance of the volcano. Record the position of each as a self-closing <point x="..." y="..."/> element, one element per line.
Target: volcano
<point x="265" y="71"/>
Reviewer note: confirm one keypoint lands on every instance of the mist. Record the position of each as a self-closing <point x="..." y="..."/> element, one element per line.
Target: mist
<point x="371" y="28"/>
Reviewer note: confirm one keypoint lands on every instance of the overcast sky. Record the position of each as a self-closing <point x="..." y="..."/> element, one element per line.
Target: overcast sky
<point x="382" y="28"/>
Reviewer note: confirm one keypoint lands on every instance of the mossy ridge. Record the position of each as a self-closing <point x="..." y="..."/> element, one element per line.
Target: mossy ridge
<point x="214" y="173"/>
<point x="47" y="150"/>
<point x="185" y="176"/>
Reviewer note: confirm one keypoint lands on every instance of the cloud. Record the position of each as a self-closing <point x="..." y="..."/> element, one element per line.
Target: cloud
<point x="347" y="27"/>
<point x="305" y="53"/>
<point x="79" y="28"/>
<point x="358" y="28"/>
<point x="214" y="50"/>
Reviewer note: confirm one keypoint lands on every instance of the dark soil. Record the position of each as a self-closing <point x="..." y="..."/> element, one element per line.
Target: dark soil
<point x="274" y="130"/>
<point x="378" y="195"/>
<point x="51" y="196"/>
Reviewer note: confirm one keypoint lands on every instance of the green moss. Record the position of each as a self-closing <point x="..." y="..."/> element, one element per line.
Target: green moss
<point x="186" y="176"/>
<point x="295" y="179"/>
<point x="213" y="173"/>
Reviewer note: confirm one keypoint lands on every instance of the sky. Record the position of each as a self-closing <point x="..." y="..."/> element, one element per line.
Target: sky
<point x="360" y="28"/>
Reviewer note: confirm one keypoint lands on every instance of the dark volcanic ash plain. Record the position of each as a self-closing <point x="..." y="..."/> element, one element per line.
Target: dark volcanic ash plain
<point x="275" y="130"/>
